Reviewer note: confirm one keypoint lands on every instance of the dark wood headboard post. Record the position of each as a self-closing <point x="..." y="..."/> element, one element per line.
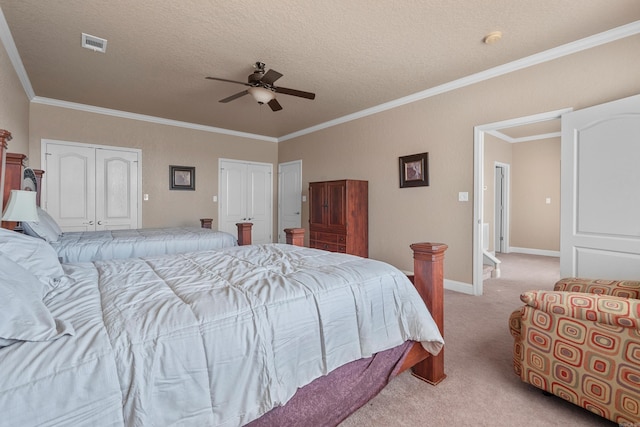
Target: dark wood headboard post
<point x="428" y="269"/>
<point x="13" y="167"/>
<point x="39" y="173"/>
<point x="5" y="137"/>
<point x="295" y="236"/>
<point x="244" y="233"/>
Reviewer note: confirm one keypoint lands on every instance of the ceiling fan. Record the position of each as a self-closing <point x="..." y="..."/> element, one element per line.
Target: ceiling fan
<point x="262" y="89"/>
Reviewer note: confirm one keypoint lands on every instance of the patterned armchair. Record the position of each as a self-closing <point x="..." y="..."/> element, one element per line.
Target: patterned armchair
<point x="581" y="342"/>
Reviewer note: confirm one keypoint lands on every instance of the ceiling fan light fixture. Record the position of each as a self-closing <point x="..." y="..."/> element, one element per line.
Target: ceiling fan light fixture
<point x="262" y="95"/>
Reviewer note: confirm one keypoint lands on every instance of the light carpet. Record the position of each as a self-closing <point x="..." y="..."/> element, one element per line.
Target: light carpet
<point x="481" y="388"/>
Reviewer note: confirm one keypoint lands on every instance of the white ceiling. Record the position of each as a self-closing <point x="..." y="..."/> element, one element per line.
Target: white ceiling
<point x="355" y="55"/>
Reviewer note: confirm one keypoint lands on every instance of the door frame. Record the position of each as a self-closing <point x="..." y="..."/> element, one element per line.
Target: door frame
<point x="504" y="246"/>
<point x="43" y="162"/>
<point x="478" y="182"/>
<point x="280" y="193"/>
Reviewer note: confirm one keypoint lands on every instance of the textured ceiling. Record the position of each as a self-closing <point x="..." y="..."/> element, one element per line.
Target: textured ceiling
<point x="353" y="54"/>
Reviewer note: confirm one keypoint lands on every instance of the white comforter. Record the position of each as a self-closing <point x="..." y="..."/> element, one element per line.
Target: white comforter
<point x="83" y="246"/>
<point x="214" y="338"/>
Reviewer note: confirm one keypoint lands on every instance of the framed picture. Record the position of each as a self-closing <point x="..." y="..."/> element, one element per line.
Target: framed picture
<point x="414" y="170"/>
<point x="182" y="177"/>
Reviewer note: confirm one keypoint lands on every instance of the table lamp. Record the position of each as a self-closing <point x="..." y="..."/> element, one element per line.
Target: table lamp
<point x="21" y="207"/>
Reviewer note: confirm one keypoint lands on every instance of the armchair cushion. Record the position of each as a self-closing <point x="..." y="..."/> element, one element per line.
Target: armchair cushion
<point x="619" y="288"/>
<point x="608" y="310"/>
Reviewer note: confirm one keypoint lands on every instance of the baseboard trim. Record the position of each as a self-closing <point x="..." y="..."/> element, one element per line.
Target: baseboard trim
<point x="530" y="251"/>
<point x="461" y="287"/>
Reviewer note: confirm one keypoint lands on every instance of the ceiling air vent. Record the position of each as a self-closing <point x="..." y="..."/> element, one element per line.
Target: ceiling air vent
<point x="94" y="43"/>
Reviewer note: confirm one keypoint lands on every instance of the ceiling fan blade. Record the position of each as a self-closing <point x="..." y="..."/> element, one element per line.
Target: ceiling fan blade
<point x="294" y="92"/>
<point x="270" y="77"/>
<point x="232" y="97"/>
<point x="228" y="81"/>
<point x="275" y="105"/>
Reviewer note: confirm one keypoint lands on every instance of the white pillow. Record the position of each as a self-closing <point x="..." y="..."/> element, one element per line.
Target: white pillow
<point x="33" y="254"/>
<point x="23" y="315"/>
<point x="48" y="219"/>
<point x="45" y="228"/>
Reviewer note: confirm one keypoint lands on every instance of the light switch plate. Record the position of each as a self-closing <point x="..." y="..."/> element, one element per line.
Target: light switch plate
<point x="463" y="196"/>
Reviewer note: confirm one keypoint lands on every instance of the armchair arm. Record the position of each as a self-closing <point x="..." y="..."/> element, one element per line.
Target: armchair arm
<point x="608" y="310"/>
<point x="515" y="324"/>
<point x="619" y="288"/>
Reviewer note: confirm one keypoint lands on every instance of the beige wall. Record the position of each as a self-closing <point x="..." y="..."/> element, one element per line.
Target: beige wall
<point x="14" y="106"/>
<point x="535" y="176"/>
<point x="443" y="125"/>
<point x="161" y="146"/>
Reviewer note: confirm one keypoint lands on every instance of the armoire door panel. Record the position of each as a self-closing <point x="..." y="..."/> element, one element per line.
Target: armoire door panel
<point x="337" y="211"/>
<point x="318" y="205"/>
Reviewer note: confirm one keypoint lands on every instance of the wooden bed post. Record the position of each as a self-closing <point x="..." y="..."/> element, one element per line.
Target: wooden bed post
<point x="5" y="136"/>
<point x="244" y="233"/>
<point x="428" y="269"/>
<point x="295" y="236"/>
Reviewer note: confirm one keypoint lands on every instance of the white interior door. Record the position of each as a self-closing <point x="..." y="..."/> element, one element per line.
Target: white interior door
<point x="88" y="188"/>
<point x="69" y="193"/>
<point x="116" y="189"/>
<point x="289" y="197"/>
<point x="260" y="202"/>
<point x="246" y="194"/>
<point x="600" y="211"/>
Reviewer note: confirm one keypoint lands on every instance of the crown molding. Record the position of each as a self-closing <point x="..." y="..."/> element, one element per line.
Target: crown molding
<point x="14" y="57"/>
<point x="145" y="118"/>
<point x="529" y="61"/>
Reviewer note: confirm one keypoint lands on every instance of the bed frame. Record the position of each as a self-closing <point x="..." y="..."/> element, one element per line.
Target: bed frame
<point x="428" y="278"/>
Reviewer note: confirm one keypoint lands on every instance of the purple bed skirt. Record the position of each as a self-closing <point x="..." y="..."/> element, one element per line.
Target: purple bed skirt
<point x="328" y="400"/>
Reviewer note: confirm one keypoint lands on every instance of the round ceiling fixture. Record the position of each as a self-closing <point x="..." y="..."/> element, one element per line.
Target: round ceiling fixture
<point x="492" y="37"/>
<point x="262" y="95"/>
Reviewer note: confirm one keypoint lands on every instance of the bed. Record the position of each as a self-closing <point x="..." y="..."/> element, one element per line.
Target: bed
<point x="82" y="246"/>
<point x="221" y="337"/>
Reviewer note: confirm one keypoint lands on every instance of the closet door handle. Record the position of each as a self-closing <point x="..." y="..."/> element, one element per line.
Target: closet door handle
<point x="99" y="222"/>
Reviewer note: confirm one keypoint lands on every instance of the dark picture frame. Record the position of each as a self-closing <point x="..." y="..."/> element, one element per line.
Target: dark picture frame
<point x="182" y="177"/>
<point x="414" y="170"/>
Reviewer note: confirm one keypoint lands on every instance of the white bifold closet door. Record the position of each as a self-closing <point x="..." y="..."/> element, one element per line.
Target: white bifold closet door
<point x="88" y="188"/>
<point x="246" y="195"/>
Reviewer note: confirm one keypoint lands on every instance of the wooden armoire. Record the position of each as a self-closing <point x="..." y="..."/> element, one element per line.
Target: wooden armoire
<point x="339" y="217"/>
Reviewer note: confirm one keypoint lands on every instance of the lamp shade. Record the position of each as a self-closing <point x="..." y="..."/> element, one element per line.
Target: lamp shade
<point x="262" y="95"/>
<point x="21" y="206"/>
